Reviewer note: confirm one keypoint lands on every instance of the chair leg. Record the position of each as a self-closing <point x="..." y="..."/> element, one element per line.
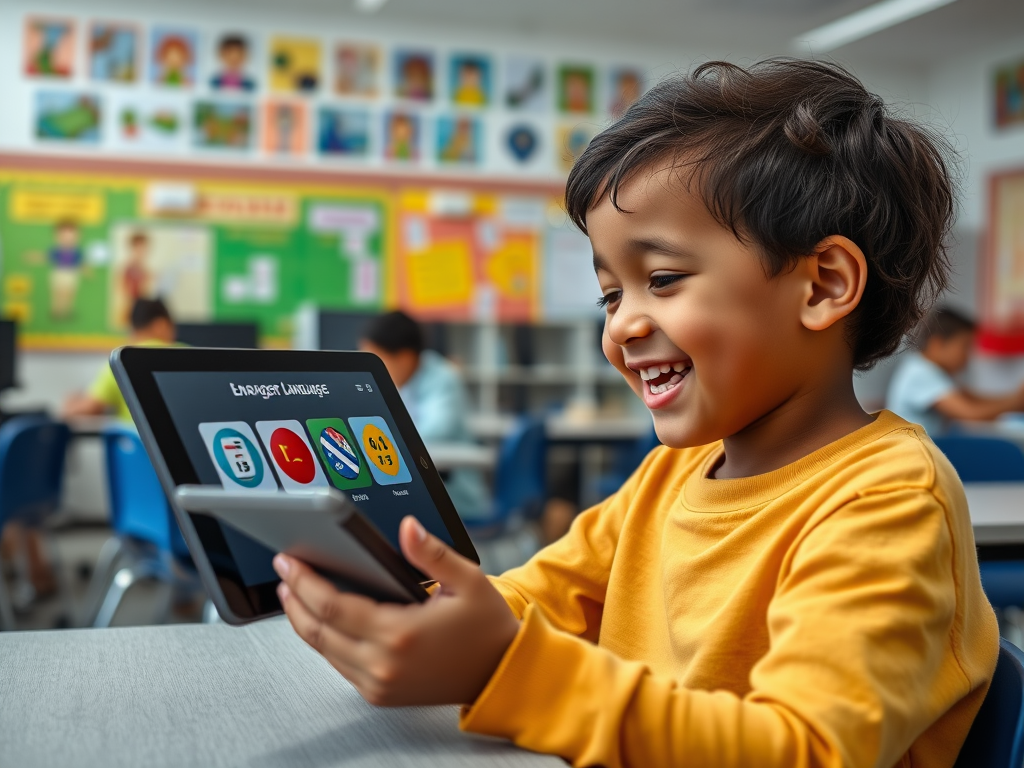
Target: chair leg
<point x="120" y="584"/>
<point x="102" y="575"/>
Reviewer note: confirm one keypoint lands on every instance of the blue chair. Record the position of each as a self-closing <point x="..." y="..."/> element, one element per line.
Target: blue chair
<point x="996" y="738"/>
<point x="32" y="454"/>
<point x="147" y="543"/>
<point x="990" y="460"/>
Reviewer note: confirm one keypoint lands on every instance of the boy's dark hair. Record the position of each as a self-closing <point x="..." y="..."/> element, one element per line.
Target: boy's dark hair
<point x="233" y="41"/>
<point x="786" y="153"/>
<point x="395" y="332"/>
<point x="145" y="312"/>
<point x="944" y="323"/>
<point x="65" y="224"/>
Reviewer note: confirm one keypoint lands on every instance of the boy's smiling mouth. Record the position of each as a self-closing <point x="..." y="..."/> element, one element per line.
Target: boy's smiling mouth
<point x="661" y="377"/>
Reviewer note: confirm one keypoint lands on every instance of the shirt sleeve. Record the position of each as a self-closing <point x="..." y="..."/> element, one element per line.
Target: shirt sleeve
<point x="440" y="407"/>
<point x="104" y="388"/>
<point x="859" y="632"/>
<point x="926" y="385"/>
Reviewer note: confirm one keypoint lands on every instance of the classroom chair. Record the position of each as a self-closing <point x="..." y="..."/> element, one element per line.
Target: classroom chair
<point x="32" y="454"/>
<point x="147" y="543"/>
<point x="996" y="738"/>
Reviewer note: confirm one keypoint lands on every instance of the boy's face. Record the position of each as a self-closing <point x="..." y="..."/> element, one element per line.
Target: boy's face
<point x="688" y="298"/>
<point x="233" y="57"/>
<point x="67" y="237"/>
<point x="952" y="354"/>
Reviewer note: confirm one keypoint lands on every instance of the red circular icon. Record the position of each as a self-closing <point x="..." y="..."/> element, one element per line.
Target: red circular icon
<point x="292" y="456"/>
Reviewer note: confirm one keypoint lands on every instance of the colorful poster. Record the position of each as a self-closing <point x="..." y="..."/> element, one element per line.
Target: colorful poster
<point x="1009" y="95"/>
<point x="576" y="88"/>
<point x="222" y="125"/>
<point x="149" y="122"/>
<point x="172" y="53"/>
<point x="356" y="69"/>
<point x="295" y="65"/>
<point x="571" y="141"/>
<point x="1004" y="289"/>
<point x="414" y="75"/>
<point x="526" y="85"/>
<point x="459" y="140"/>
<point x="113" y="52"/>
<point x="49" y="47"/>
<point x="344" y="132"/>
<point x="469" y="80"/>
<point x="402" y="136"/>
<point x="522" y="141"/>
<point x="233" y="71"/>
<point x="285" y="128"/>
<point x="626" y="85"/>
<point x="68" y="116"/>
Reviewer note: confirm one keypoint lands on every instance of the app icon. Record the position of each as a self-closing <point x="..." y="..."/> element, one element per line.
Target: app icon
<point x="337" y="447"/>
<point x="239" y="461"/>
<point x="380" y="449"/>
<point x="292" y="454"/>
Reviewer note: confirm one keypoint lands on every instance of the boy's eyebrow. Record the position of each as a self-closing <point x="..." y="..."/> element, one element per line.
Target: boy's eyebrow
<point x="658" y="245"/>
<point x="599" y="263"/>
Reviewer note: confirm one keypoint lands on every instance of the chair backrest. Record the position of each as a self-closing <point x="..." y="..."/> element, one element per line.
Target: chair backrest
<point x="996" y="739"/>
<point x="138" y="506"/>
<point x="520" y="477"/>
<point x="983" y="459"/>
<point x="32" y="453"/>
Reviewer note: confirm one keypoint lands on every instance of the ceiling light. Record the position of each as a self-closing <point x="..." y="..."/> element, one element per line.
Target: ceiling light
<point x="368" y="6"/>
<point x="864" y="22"/>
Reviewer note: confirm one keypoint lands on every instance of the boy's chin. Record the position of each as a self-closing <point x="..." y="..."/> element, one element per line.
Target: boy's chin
<point x="678" y="431"/>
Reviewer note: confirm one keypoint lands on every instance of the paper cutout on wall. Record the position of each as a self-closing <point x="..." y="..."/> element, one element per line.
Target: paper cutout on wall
<point x="49" y="46"/>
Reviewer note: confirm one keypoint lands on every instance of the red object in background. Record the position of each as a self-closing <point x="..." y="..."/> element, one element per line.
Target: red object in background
<point x="999" y="342"/>
<point x="292" y="456"/>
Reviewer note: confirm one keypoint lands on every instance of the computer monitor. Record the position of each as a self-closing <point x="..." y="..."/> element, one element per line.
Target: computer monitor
<point x="342" y="330"/>
<point x="8" y="354"/>
<point x="237" y="335"/>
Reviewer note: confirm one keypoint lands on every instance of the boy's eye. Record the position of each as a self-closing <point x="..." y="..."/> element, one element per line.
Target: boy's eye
<point x="664" y="281"/>
<point x="609" y="298"/>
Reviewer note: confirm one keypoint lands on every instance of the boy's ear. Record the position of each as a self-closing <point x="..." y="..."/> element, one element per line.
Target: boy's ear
<point x="835" y="274"/>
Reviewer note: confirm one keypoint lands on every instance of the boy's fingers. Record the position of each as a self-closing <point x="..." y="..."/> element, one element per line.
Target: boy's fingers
<point x="343" y="652"/>
<point x="435" y="558"/>
<point x="351" y="614"/>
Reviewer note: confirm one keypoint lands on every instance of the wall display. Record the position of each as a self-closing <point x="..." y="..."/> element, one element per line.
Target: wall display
<point x="571" y="141"/>
<point x="459" y="139"/>
<point x="402" y="136"/>
<point x="356" y="69"/>
<point x="526" y="84"/>
<point x="469" y="80"/>
<point x="49" y="46"/>
<point x="79" y="248"/>
<point x="113" y="52"/>
<point x="172" y="53"/>
<point x="1003" y="272"/>
<point x="285" y="128"/>
<point x="522" y="142"/>
<point x="344" y="132"/>
<point x="149" y="121"/>
<point x="625" y="86"/>
<point x="295" y="65"/>
<point x="222" y="125"/>
<point x="234" y="59"/>
<point x="68" y="116"/>
<point x="1009" y="95"/>
<point x="414" y="75"/>
<point x="576" y="88"/>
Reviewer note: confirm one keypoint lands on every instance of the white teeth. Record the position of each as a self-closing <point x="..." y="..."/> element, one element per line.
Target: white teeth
<point x="665" y="368"/>
<point x="653" y="372"/>
<point x="678" y="367"/>
<point x="643" y="374"/>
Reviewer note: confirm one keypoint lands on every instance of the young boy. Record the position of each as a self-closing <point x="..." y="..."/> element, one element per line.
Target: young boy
<point x="791" y="581"/>
<point x="923" y="389"/>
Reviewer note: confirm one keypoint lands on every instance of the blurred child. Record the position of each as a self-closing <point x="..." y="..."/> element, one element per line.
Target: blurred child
<point x="924" y="388"/>
<point x="136" y="278"/>
<point x="790" y="581"/>
<point x="65" y="268"/>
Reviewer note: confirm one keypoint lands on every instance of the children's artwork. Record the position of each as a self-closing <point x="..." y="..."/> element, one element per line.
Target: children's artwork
<point x="526" y="84"/>
<point x="222" y="125"/>
<point x="344" y="132"/>
<point x="1009" y="94"/>
<point x="470" y="80"/>
<point x="173" y="57"/>
<point x="626" y="86"/>
<point x="572" y="140"/>
<point x="49" y="47"/>
<point x="459" y="139"/>
<point x="113" y="52"/>
<point x="294" y="65"/>
<point x="401" y="136"/>
<point x="233" y="71"/>
<point x="149" y="122"/>
<point x="65" y="257"/>
<point x="356" y="69"/>
<point x="414" y="75"/>
<point x="68" y="116"/>
<point x="576" y="88"/>
<point x="285" y="128"/>
<point x="522" y="142"/>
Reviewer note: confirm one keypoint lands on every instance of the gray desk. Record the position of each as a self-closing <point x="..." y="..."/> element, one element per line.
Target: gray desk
<point x="210" y="695"/>
<point x="997" y="512"/>
<point x="449" y="456"/>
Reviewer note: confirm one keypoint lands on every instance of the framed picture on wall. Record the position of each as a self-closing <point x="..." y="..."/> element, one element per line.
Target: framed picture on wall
<point x="149" y="121"/>
<point x="576" y="88"/>
<point x="172" y="57"/>
<point x="469" y="80"/>
<point x="234" y="62"/>
<point x="343" y="132"/>
<point x="68" y="116"/>
<point x="402" y="136"/>
<point x="1009" y="95"/>
<point x="414" y="75"/>
<point x="113" y="52"/>
<point x="285" y="128"/>
<point x="49" y="47"/>
<point x="295" y="65"/>
<point x="222" y="125"/>
<point x="625" y="86"/>
<point x="526" y="83"/>
<point x="459" y="139"/>
<point x="356" y="69"/>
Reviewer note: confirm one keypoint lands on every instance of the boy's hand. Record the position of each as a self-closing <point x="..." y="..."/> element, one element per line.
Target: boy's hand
<point x="442" y="651"/>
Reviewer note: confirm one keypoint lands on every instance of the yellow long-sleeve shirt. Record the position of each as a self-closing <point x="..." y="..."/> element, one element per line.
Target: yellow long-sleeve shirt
<point x="829" y="613"/>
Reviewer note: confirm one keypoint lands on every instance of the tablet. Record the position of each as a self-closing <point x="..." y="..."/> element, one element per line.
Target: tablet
<point x="281" y="421"/>
<point x="320" y="527"/>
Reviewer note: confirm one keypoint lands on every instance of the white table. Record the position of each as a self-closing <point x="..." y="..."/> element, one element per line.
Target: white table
<point x="211" y="695"/>
<point x="449" y="456"/>
<point x="559" y="428"/>
<point x="997" y="512"/>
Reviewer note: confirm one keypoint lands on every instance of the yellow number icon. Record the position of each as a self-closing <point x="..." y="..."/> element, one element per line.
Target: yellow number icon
<point x="380" y="450"/>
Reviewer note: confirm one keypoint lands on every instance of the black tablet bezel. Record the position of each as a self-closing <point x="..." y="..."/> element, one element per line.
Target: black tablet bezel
<point x="133" y="369"/>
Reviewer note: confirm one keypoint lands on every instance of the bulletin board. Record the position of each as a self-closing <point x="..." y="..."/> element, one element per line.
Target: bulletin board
<point x="1002" y="267"/>
<point x="78" y="248"/>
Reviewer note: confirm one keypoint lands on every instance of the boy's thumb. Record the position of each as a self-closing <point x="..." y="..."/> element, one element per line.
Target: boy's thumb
<point x="435" y="558"/>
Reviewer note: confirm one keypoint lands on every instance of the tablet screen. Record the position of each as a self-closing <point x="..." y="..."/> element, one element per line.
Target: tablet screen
<point x="292" y="432"/>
